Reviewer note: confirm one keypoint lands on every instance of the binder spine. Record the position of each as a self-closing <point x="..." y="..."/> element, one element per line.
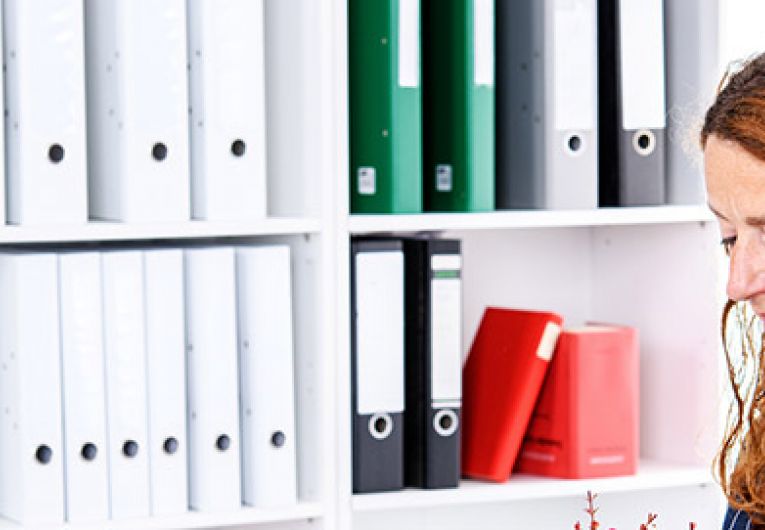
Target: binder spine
<point x="458" y="111"/>
<point x="385" y="106"/>
<point x="138" y="136"/>
<point x="571" y="120"/>
<point x="31" y="453"/>
<point x="212" y="379"/>
<point x="520" y="172"/>
<point x="227" y="101"/>
<point x="377" y="365"/>
<point x="83" y="382"/>
<point x="433" y="362"/>
<point x="126" y="394"/>
<point x="45" y="129"/>
<point x="641" y="86"/>
<point x="166" y="380"/>
<point x="266" y="375"/>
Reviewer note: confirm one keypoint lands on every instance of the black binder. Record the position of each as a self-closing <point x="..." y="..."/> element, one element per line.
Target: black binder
<point x="377" y="364"/>
<point x="433" y="362"/>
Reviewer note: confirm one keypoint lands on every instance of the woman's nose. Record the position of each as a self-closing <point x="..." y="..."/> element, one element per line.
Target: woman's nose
<point x="746" y="276"/>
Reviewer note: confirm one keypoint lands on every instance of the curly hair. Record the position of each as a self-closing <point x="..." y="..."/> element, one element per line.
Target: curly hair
<point x="738" y="115"/>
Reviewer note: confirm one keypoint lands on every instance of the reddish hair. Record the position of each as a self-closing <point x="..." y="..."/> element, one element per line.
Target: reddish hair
<point x="738" y="115"/>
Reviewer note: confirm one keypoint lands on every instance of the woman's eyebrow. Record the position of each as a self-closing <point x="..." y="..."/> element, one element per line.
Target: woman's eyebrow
<point x="718" y="214"/>
<point x="756" y="221"/>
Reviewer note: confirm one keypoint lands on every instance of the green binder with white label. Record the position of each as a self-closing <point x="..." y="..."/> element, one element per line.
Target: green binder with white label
<point x="458" y="104"/>
<point x="385" y="106"/>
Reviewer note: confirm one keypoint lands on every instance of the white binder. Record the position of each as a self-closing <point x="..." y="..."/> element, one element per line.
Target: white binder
<point x="125" y="357"/>
<point x="213" y="390"/>
<point x="227" y="101"/>
<point x="45" y="111"/>
<point x="266" y="362"/>
<point x="547" y="87"/>
<point x="31" y="447"/>
<point x="137" y="110"/>
<point x="166" y="380"/>
<point x="84" y="398"/>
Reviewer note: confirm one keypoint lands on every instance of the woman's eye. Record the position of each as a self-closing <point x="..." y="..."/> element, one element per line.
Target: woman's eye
<point x="727" y="244"/>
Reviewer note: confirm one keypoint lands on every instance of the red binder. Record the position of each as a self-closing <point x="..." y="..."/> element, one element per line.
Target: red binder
<point x="502" y="378"/>
<point x="586" y="422"/>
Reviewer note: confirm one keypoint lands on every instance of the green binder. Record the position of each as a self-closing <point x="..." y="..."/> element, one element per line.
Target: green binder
<point x="458" y="104"/>
<point x="385" y="106"/>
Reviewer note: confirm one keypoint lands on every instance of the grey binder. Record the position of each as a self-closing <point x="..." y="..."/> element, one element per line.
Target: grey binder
<point x="546" y="126"/>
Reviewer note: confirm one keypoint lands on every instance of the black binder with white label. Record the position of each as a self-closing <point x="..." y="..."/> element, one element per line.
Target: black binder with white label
<point x="377" y="339"/>
<point x="433" y="362"/>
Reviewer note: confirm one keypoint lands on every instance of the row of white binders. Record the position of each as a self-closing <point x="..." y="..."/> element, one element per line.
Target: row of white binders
<point x="133" y="111"/>
<point x="145" y="382"/>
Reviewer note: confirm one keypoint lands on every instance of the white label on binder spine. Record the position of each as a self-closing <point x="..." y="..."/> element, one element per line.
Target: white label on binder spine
<point x="408" y="43"/>
<point x="446" y="340"/>
<point x="641" y="63"/>
<point x="483" y="42"/>
<point x="574" y="60"/>
<point x="380" y="331"/>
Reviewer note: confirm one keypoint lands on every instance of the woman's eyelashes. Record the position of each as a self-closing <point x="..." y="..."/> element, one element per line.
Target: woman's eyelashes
<point x="727" y="244"/>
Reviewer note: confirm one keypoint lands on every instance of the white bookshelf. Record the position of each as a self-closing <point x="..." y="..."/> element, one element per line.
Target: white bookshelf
<point x="304" y="512"/>
<point x="653" y="267"/>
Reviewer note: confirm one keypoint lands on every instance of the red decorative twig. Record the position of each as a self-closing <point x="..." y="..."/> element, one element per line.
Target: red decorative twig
<point x="591" y="510"/>
<point x="651" y="518"/>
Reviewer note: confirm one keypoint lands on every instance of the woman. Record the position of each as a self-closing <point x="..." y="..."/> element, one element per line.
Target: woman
<point x="733" y="140"/>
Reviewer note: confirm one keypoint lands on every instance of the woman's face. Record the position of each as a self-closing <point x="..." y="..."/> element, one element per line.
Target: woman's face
<point x="735" y="183"/>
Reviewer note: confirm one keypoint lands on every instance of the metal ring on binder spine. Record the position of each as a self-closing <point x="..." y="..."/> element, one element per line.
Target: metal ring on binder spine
<point x="374" y="423"/>
<point x="644" y="142"/>
<point x="452" y="420"/>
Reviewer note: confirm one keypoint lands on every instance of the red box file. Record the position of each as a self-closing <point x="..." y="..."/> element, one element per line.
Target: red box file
<point x="586" y="422"/>
<point x="502" y="378"/>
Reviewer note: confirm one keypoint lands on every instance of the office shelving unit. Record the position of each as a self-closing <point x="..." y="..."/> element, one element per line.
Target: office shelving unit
<point x="655" y="268"/>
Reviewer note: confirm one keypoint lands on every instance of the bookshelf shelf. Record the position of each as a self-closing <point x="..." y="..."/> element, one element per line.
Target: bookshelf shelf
<point x="361" y="224"/>
<point x="245" y="516"/>
<point x="110" y="231"/>
<point x="651" y="475"/>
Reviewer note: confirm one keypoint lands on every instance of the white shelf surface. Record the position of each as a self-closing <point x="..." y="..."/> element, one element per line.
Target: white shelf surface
<point x="651" y="475"/>
<point x="245" y="516"/>
<point x="113" y="231"/>
<point x="367" y="223"/>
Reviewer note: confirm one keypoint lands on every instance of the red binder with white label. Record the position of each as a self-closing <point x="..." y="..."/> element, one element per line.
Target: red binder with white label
<point x="502" y="378"/>
<point x="586" y="421"/>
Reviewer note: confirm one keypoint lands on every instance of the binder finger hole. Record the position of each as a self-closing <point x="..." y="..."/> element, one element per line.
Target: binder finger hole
<point x="44" y="454"/>
<point x="130" y="448"/>
<point x="644" y="142"/>
<point x="89" y="452"/>
<point x="575" y="143"/>
<point x="445" y="422"/>
<point x="159" y="151"/>
<point x="56" y="153"/>
<point x="380" y="426"/>
<point x="170" y="446"/>
<point x="238" y="148"/>
<point x="223" y="442"/>
<point x="278" y="439"/>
